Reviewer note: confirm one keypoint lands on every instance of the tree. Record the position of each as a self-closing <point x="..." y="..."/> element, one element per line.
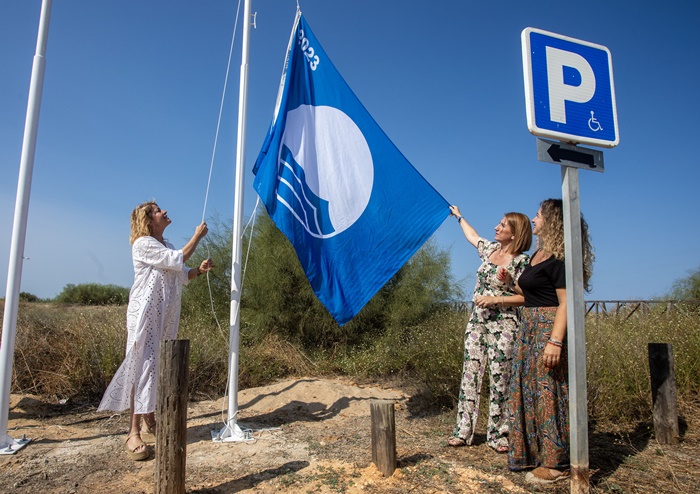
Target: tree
<point x="277" y="297"/>
<point x="688" y="287"/>
<point x="208" y="300"/>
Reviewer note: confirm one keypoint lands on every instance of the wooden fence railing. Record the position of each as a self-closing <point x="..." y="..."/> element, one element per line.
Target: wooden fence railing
<point x="625" y="308"/>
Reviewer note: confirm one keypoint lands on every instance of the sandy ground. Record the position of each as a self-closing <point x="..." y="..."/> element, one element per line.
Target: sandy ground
<point x="309" y="435"/>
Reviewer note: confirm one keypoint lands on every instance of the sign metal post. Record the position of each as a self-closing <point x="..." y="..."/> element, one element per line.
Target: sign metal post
<point x="576" y="333"/>
<point x="570" y="96"/>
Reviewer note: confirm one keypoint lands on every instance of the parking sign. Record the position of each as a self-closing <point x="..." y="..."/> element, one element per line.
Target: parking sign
<point x="569" y="89"/>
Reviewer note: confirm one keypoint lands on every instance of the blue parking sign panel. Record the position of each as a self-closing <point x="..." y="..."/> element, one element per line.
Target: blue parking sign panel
<point x="569" y="89"/>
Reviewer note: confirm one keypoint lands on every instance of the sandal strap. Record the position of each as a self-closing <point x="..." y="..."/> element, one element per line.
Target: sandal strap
<point x="149" y="427"/>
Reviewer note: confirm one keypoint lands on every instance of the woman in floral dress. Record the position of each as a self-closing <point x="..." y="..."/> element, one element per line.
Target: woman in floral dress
<point x="490" y="333"/>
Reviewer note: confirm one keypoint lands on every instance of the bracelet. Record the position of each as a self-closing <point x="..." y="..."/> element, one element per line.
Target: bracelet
<point x="502" y="301"/>
<point x="459" y="218"/>
<point x="199" y="271"/>
<point x="555" y="342"/>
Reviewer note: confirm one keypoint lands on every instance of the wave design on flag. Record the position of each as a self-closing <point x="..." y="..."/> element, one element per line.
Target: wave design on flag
<point x="294" y="193"/>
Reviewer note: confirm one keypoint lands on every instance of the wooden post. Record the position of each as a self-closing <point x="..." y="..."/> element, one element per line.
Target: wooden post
<point x="383" y="436"/>
<point x="171" y="416"/>
<point x="663" y="392"/>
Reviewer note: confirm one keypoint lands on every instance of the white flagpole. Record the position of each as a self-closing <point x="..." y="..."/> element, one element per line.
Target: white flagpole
<point x="232" y="432"/>
<point x="19" y="231"/>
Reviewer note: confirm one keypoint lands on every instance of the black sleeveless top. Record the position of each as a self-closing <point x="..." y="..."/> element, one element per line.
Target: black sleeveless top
<point x="539" y="283"/>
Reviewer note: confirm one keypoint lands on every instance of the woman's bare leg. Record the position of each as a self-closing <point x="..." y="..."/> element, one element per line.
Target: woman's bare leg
<point x="134" y="441"/>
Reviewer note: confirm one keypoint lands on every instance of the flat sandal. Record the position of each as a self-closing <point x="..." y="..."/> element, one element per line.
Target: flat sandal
<point x="543" y="475"/>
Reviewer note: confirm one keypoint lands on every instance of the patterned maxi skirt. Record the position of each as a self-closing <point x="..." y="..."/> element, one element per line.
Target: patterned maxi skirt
<point x="539" y="398"/>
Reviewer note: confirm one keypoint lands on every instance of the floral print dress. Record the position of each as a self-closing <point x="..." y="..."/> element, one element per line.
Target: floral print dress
<point x="539" y="398"/>
<point x="488" y="342"/>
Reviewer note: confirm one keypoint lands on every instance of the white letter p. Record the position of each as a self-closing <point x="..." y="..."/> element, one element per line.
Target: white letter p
<point x="559" y="92"/>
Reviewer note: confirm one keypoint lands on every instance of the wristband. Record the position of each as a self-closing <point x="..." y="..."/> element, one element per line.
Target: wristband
<point x="555" y="342"/>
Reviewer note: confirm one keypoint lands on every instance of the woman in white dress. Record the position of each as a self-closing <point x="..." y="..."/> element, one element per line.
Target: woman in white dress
<point x="153" y="315"/>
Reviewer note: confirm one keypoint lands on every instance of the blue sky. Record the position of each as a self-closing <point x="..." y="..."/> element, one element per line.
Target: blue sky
<point x="132" y="93"/>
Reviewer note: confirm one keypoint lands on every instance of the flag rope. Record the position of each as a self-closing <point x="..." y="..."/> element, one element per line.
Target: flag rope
<point x="221" y="109"/>
<point x="213" y="155"/>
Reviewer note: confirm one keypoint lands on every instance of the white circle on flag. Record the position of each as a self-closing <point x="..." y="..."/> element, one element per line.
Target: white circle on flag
<point x="336" y="160"/>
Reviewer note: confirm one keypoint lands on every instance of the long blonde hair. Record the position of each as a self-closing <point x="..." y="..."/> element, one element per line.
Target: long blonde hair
<point x="141" y="221"/>
<point x="522" y="232"/>
<point x="551" y="237"/>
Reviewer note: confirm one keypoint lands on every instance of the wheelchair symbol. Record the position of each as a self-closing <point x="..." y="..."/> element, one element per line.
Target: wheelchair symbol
<point x="594" y="124"/>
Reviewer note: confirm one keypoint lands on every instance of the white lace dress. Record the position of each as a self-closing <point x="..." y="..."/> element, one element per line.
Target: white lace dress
<point x="153" y="315"/>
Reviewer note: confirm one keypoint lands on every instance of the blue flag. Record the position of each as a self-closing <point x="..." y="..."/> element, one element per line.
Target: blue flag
<point x="350" y="203"/>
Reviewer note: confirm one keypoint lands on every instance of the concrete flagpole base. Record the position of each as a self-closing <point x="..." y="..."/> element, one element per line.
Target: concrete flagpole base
<point x="230" y="434"/>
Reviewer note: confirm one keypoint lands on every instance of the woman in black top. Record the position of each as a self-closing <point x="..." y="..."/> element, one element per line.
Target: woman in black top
<point x="539" y="391"/>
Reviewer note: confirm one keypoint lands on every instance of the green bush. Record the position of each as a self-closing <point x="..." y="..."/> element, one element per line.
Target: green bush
<point x="28" y="297"/>
<point x="280" y="311"/>
<point x="277" y="298"/>
<point x="93" y="294"/>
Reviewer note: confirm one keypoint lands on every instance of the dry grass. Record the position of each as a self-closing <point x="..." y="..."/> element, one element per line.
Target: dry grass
<point x="67" y="351"/>
<point x="73" y="352"/>
<point x="625" y="457"/>
<point x="618" y="362"/>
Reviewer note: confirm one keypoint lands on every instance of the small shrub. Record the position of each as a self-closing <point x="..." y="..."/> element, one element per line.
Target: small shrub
<point x="27" y="297"/>
<point x="687" y="288"/>
<point x="93" y="294"/>
<point x="270" y="360"/>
